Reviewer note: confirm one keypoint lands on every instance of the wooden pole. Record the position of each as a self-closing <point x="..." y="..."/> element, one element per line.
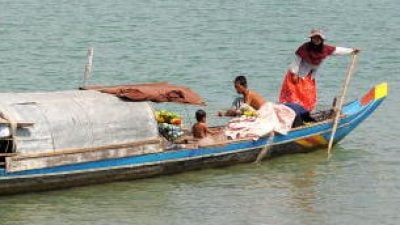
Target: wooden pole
<point x="88" y="66"/>
<point x="265" y="150"/>
<point x="341" y="101"/>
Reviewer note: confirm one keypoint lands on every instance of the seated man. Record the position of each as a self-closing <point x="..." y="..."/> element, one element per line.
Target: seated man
<point x="250" y="97"/>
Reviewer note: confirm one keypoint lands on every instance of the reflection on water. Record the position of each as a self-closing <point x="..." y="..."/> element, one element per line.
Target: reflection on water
<point x="304" y="191"/>
<point x="282" y="190"/>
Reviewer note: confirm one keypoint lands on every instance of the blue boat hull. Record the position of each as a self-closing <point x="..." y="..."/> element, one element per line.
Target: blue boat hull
<point x="300" y="140"/>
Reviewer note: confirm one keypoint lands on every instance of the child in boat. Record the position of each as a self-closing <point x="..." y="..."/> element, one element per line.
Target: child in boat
<point x="203" y="134"/>
<point x="200" y="129"/>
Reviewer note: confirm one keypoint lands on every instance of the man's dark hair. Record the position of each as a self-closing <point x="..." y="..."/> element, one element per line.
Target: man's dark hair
<point x="200" y="114"/>
<point x="241" y="80"/>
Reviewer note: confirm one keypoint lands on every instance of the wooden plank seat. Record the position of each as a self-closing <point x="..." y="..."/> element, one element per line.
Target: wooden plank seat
<point x="20" y="124"/>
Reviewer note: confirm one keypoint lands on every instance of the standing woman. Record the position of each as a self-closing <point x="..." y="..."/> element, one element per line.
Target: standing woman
<point x="299" y="84"/>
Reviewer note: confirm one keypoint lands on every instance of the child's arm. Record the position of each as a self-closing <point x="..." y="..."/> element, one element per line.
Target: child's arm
<point x="212" y="132"/>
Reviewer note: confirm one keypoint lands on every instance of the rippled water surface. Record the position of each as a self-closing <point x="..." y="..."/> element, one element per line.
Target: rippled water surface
<point x="205" y="44"/>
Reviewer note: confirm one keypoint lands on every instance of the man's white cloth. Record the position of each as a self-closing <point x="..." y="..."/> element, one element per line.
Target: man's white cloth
<point x="270" y="117"/>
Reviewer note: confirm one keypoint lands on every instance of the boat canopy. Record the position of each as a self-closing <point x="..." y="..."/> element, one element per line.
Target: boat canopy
<point x="55" y="121"/>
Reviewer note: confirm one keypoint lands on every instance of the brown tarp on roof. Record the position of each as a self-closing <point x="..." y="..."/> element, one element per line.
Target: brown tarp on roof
<point x="155" y="92"/>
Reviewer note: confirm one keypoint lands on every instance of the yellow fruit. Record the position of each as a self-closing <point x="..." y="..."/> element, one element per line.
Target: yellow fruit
<point x="159" y="119"/>
<point x="249" y="113"/>
<point x="176" y="121"/>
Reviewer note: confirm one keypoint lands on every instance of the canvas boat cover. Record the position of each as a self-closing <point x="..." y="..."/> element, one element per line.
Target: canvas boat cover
<point x="76" y="119"/>
<point x="155" y="92"/>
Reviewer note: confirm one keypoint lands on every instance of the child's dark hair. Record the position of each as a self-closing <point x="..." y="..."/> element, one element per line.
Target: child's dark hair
<point x="200" y="115"/>
<point x="241" y="80"/>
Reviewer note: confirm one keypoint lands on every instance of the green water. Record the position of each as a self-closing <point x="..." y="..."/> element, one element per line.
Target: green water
<point x="205" y="44"/>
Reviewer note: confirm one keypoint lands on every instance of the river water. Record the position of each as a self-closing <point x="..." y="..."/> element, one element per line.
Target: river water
<point x="205" y="44"/>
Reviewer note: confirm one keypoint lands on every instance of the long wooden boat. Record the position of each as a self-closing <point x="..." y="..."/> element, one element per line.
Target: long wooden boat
<point x="76" y="138"/>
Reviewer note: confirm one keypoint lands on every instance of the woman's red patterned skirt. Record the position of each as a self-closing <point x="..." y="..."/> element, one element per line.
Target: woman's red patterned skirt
<point x="300" y="90"/>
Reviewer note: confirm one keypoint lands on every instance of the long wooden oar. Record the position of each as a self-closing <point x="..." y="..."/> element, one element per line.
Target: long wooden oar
<point x="266" y="148"/>
<point x="338" y="110"/>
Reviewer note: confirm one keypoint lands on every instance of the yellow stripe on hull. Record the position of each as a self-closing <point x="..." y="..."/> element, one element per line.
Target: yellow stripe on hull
<point x="312" y="141"/>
